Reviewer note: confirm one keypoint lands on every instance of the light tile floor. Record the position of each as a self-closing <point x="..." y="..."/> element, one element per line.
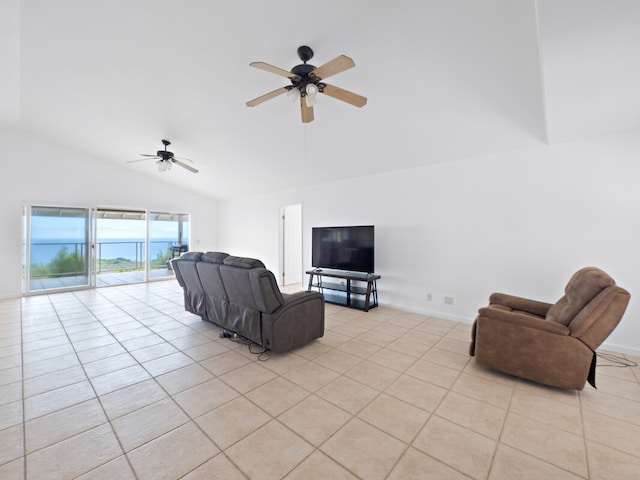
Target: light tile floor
<point x="122" y="383"/>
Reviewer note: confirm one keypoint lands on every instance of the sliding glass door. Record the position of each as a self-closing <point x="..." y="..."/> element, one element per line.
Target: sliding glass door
<point x="120" y="246"/>
<point x="66" y="247"/>
<point x="57" y="248"/>
<point x="168" y="238"/>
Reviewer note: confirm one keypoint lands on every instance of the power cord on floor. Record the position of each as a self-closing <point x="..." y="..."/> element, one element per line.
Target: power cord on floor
<point x="263" y="353"/>
<point x="617" y="360"/>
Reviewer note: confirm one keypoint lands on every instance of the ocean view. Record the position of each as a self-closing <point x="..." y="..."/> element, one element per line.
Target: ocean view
<point x="44" y="250"/>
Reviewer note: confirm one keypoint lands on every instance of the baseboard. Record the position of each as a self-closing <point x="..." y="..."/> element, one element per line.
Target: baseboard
<point x="430" y="313"/>
<point x="612" y="347"/>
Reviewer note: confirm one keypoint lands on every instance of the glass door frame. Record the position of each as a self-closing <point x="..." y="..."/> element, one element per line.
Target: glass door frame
<point x="178" y="246"/>
<point x="123" y="274"/>
<point x="89" y="249"/>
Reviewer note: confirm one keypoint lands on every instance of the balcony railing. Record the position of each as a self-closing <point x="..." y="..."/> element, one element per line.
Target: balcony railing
<point x="111" y="256"/>
<point x="132" y="260"/>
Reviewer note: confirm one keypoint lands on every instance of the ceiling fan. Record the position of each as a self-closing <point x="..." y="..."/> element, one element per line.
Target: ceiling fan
<point x="166" y="159"/>
<point x="307" y="82"/>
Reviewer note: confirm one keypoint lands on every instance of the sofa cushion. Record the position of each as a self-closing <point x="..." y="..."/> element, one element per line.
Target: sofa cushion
<point x="583" y="287"/>
<point x="238" y="286"/>
<point x="191" y="256"/>
<point x="214" y="257"/>
<point x="243" y="262"/>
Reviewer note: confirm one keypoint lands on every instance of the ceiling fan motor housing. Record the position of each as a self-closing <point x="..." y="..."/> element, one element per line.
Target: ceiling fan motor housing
<point x="305" y="53"/>
<point x="165" y="154"/>
<point x="303" y="72"/>
<point x="305" y="77"/>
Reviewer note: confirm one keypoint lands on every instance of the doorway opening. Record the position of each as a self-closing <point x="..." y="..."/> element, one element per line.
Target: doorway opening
<point x="291" y="244"/>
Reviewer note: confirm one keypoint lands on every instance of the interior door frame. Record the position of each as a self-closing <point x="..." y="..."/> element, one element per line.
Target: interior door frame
<point x="291" y="244"/>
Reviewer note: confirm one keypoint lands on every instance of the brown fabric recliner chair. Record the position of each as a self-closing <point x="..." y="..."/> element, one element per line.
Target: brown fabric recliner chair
<point x="550" y="344"/>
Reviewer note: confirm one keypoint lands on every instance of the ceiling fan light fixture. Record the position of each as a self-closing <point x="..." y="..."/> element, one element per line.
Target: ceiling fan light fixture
<point x="310" y="100"/>
<point x="163" y="165"/>
<point x="293" y="94"/>
<point x="311" y="89"/>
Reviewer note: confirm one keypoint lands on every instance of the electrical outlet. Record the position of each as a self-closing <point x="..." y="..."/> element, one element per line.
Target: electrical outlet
<point x="448" y="300"/>
<point x="429" y="297"/>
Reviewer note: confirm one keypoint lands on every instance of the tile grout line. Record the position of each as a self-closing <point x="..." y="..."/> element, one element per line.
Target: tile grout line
<point x="24" y="422"/>
<point x="190" y="419"/>
<point x="90" y="312"/>
<point x="170" y="396"/>
<point x="307" y="360"/>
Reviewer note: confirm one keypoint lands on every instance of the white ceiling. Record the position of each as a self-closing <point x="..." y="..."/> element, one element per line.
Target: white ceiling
<point x="445" y="79"/>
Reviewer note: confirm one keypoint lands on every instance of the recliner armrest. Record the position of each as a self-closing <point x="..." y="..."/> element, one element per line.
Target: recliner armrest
<point x="296" y="298"/>
<point x="295" y="323"/>
<point x="524" y="320"/>
<point x="519" y="303"/>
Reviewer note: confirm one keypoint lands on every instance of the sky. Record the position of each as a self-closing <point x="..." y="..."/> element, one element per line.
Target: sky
<point x="65" y="228"/>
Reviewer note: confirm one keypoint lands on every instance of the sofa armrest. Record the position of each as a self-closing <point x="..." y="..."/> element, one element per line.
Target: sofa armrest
<point x="301" y="296"/>
<point x="295" y="323"/>
<point x="295" y="303"/>
<point x="524" y="320"/>
<point x="519" y="303"/>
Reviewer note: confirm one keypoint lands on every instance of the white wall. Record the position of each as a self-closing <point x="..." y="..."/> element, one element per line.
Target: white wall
<point x="520" y="222"/>
<point x="10" y="61"/>
<point x="37" y="171"/>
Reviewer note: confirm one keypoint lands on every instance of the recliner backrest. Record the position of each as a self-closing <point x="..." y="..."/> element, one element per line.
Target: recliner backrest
<point x="583" y="287"/>
<point x="187" y="275"/>
<point x="595" y="322"/>
<point x="235" y="275"/>
<point x="185" y="270"/>
<point x="592" y="306"/>
<point x="216" y="295"/>
<point x="209" y="271"/>
<point x="265" y="290"/>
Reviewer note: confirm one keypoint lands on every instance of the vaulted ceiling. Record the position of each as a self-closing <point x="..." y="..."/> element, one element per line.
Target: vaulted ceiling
<point x="445" y="80"/>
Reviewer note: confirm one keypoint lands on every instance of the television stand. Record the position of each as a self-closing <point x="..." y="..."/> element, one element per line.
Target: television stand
<point x="346" y="293"/>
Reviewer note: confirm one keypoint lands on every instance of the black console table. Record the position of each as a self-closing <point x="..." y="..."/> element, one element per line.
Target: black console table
<point x="346" y="293"/>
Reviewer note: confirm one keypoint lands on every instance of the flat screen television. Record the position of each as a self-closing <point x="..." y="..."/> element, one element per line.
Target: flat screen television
<point x="343" y="248"/>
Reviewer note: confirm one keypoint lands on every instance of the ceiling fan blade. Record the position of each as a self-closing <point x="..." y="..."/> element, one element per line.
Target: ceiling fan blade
<point x="184" y="159"/>
<point x="337" y="65"/>
<point x="266" y="96"/>
<point x="272" y="69"/>
<point x="307" y="112"/>
<point x="345" y="95"/>
<point x="184" y="165"/>
<point x="149" y="157"/>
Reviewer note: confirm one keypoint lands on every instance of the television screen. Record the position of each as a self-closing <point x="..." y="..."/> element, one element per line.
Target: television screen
<point x="343" y="248"/>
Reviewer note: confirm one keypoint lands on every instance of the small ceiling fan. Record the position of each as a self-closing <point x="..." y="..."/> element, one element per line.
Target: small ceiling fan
<point x="165" y="159"/>
<point x="307" y="82"/>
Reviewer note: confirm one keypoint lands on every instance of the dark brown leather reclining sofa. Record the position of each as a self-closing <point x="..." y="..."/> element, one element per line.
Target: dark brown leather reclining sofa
<point x="241" y="296"/>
